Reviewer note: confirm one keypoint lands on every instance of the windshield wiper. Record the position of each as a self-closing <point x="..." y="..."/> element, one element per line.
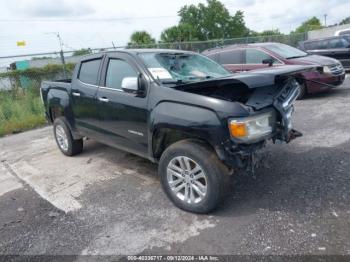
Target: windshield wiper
<point x="175" y="82"/>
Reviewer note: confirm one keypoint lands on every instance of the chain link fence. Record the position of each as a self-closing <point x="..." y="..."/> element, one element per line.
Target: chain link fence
<point x="20" y="105"/>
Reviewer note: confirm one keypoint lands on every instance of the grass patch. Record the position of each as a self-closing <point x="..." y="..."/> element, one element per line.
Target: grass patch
<point x="20" y="110"/>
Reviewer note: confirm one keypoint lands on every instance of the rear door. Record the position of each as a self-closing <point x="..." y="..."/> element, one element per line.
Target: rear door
<point x="122" y="115"/>
<point x="83" y="95"/>
<point x="253" y="59"/>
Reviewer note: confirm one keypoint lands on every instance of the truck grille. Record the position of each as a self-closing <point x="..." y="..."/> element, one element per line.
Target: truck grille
<point x="336" y="69"/>
<point x="284" y="104"/>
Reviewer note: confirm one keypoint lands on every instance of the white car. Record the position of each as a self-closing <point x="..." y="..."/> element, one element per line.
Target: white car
<point x="342" y="32"/>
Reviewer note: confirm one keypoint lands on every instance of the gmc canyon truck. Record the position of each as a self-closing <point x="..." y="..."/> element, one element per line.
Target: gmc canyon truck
<point x="176" y="108"/>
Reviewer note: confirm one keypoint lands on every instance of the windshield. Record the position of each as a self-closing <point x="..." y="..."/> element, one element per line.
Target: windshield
<point x="182" y="67"/>
<point x="286" y="51"/>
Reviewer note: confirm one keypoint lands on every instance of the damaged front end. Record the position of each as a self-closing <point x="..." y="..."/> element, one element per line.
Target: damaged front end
<point x="276" y="103"/>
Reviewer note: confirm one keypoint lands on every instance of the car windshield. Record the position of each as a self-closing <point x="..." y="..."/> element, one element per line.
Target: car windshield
<point x="175" y="68"/>
<point x="286" y="51"/>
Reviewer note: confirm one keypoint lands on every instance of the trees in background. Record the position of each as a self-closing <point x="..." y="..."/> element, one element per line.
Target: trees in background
<point x="178" y="33"/>
<point x="139" y="38"/>
<point x="311" y="24"/>
<point x="345" y="21"/>
<point x="83" y="51"/>
<point x="213" y="20"/>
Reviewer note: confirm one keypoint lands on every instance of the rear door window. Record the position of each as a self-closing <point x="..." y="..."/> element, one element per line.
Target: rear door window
<point x="89" y="71"/>
<point x="231" y="57"/>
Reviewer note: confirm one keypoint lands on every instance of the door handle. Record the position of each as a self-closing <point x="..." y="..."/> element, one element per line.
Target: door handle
<point x="103" y="99"/>
<point x="75" y="93"/>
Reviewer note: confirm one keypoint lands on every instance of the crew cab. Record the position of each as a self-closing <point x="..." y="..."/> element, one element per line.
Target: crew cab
<point x="176" y="108"/>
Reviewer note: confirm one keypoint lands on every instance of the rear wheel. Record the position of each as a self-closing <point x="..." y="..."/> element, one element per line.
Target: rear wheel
<point x="193" y="177"/>
<point x="64" y="138"/>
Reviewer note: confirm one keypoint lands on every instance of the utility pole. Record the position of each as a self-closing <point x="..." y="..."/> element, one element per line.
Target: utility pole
<point x="57" y="34"/>
<point x="325" y="20"/>
<point x="62" y="56"/>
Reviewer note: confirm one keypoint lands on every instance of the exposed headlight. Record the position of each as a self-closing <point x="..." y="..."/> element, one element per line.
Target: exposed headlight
<point x="250" y="129"/>
<point x="327" y="70"/>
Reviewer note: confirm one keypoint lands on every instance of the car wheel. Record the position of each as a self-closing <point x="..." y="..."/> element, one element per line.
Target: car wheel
<point x="303" y="91"/>
<point x="193" y="177"/>
<point x="64" y="138"/>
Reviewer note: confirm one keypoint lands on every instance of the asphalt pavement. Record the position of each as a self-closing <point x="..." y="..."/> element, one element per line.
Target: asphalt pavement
<point x="108" y="202"/>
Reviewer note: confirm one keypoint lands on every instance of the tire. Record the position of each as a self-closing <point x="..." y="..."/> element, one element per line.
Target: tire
<point x="214" y="176"/>
<point x="303" y="91"/>
<point x="64" y="138"/>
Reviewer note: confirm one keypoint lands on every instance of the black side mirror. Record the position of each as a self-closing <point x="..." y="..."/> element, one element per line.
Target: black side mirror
<point x="142" y="84"/>
<point x="268" y="61"/>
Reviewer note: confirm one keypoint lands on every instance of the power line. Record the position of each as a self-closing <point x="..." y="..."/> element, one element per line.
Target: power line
<point x="86" y="19"/>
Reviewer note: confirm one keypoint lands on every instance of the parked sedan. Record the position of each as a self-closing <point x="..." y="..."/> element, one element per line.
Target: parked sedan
<point x="337" y="47"/>
<point x="240" y="58"/>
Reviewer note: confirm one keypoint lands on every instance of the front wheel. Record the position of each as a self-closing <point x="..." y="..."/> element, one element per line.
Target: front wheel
<point x="64" y="138"/>
<point x="193" y="177"/>
<point x="303" y="91"/>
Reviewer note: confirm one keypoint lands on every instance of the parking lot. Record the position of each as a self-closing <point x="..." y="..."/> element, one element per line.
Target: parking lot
<point x="108" y="202"/>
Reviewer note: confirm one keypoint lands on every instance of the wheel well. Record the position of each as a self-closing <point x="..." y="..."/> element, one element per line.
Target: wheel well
<point x="55" y="112"/>
<point x="164" y="138"/>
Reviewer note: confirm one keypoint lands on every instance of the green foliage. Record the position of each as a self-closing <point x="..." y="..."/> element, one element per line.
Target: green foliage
<point x="83" y="51"/>
<point x="41" y="57"/>
<point x="345" y="21"/>
<point x="34" y="76"/>
<point x="141" y="38"/>
<point x="270" y="32"/>
<point x="46" y="71"/>
<point x="212" y="21"/>
<point x="311" y="24"/>
<point x="20" y="110"/>
<point x="179" y="33"/>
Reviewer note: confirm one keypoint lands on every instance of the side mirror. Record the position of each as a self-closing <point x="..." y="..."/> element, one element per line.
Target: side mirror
<point x="135" y="85"/>
<point x="130" y="84"/>
<point x="268" y="61"/>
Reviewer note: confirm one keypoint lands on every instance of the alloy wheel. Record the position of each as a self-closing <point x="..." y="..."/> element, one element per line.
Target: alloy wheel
<point x="187" y="179"/>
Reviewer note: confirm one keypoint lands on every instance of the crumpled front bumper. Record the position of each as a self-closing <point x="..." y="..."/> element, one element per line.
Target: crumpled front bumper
<point x="283" y="103"/>
<point x="248" y="156"/>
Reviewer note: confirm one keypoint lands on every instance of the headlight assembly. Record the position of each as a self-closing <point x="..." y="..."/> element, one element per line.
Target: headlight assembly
<point x="253" y="128"/>
<point x="327" y="70"/>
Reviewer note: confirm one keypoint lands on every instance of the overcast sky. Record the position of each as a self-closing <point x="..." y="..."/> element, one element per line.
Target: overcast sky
<point x="96" y="23"/>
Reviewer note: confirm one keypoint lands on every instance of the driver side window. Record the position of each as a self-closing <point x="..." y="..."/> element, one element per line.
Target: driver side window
<point x="117" y="70"/>
<point x="254" y="56"/>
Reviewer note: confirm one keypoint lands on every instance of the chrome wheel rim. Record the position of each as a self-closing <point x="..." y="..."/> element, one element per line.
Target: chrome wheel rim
<point x="187" y="179"/>
<point x="61" y="137"/>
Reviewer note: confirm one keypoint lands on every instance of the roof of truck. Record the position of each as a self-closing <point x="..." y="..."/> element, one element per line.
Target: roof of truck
<point x="135" y="52"/>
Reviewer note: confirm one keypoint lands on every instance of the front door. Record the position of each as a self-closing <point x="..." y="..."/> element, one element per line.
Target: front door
<point x="122" y="115"/>
<point x="253" y="59"/>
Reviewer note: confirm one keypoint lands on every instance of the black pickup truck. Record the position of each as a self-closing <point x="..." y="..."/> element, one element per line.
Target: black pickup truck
<point x="177" y="108"/>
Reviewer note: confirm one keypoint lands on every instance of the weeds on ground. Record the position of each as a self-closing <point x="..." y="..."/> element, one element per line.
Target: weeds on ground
<point x="20" y="110"/>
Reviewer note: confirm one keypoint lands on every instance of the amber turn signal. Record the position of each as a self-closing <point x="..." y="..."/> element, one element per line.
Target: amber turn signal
<point x="238" y="129"/>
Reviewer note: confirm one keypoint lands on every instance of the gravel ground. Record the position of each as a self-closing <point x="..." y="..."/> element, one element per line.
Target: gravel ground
<point x="107" y="202"/>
